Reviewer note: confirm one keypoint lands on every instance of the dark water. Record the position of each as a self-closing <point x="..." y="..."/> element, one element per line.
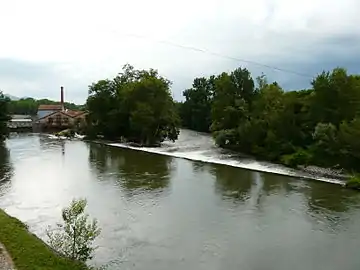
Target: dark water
<point x="159" y="212"/>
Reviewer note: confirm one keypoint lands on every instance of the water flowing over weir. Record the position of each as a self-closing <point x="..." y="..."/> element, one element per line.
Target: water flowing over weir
<point x="201" y="147"/>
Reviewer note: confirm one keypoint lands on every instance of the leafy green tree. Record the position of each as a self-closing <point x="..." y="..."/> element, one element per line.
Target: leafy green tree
<point x="196" y="110"/>
<point x="348" y="138"/>
<point x="336" y="97"/>
<point x="317" y="126"/>
<point x="4" y="116"/>
<point x="136" y="105"/>
<point x="74" y="238"/>
<point x="233" y="94"/>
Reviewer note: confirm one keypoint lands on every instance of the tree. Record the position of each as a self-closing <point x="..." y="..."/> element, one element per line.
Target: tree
<point x="74" y="238"/>
<point x="317" y="126"/>
<point x="233" y="94"/>
<point x="136" y="105"/>
<point x="196" y="110"/>
<point x="336" y="97"/>
<point x="4" y="116"/>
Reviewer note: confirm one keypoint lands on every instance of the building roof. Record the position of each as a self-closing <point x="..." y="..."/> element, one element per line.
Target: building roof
<point x="73" y="114"/>
<point x="54" y="107"/>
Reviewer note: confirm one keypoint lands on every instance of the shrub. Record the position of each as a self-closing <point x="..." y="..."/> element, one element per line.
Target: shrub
<point x="353" y="182"/>
<point x="300" y="157"/>
<point x="74" y="239"/>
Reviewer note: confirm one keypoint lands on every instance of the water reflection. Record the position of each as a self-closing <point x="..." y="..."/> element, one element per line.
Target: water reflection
<point x="213" y="217"/>
<point x="274" y="184"/>
<point x="6" y="169"/>
<point x="135" y="171"/>
<point x="46" y="144"/>
<point x="233" y="182"/>
<point x="198" y="166"/>
<point x="334" y="200"/>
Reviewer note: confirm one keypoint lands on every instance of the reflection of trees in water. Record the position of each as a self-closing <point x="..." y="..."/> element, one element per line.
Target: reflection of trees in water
<point x="329" y="198"/>
<point x="199" y="166"/>
<point x="46" y="143"/>
<point x="328" y="205"/>
<point x="6" y="169"/>
<point x="233" y="182"/>
<point x="98" y="156"/>
<point x="136" y="170"/>
<point x="274" y="183"/>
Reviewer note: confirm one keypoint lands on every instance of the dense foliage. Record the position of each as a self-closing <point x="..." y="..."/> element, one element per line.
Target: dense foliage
<point x="136" y="105"/>
<point x="318" y="126"/>
<point x="4" y="116"/>
<point x="29" y="106"/>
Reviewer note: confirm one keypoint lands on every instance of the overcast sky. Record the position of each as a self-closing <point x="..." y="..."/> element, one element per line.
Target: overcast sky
<point x="46" y="44"/>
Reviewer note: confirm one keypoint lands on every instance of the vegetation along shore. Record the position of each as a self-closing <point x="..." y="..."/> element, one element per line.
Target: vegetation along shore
<point x="318" y="126"/>
<point x="27" y="251"/>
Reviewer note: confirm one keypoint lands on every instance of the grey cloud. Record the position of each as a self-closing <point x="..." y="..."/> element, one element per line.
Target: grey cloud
<point x="308" y="56"/>
<point x="38" y="80"/>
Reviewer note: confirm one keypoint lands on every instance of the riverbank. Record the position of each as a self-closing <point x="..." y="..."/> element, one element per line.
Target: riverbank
<point x="27" y="251"/>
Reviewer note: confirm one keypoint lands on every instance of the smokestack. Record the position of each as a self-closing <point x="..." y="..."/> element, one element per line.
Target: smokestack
<point x="62" y="98"/>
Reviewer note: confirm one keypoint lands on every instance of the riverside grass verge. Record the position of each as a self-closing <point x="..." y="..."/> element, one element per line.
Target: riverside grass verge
<point x="27" y="251"/>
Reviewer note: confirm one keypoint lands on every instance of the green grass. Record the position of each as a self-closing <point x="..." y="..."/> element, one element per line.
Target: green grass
<point x="28" y="251"/>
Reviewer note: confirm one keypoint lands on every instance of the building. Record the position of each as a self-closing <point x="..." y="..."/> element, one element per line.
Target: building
<point x="58" y="117"/>
<point x="45" y="110"/>
<point x="20" y="122"/>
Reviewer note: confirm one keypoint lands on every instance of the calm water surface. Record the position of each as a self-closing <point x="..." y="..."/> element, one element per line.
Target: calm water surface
<point x="159" y="212"/>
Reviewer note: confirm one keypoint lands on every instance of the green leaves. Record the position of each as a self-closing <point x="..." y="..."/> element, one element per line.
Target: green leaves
<point x="317" y="126"/>
<point x="196" y="110"/>
<point x="74" y="238"/>
<point x="29" y="106"/>
<point x="135" y="105"/>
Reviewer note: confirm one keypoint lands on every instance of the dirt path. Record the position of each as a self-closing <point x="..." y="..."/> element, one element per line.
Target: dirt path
<point x="5" y="260"/>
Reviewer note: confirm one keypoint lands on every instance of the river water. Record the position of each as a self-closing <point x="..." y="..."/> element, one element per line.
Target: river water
<point x="158" y="211"/>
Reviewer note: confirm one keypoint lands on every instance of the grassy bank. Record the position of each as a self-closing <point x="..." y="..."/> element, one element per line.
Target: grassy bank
<point x="28" y="251"/>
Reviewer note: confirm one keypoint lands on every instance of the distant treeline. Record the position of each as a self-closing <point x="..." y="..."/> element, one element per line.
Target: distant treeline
<point x="29" y="106"/>
<point x="319" y="126"/>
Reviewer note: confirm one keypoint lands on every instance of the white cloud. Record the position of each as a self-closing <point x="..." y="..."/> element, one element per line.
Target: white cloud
<point x="82" y="41"/>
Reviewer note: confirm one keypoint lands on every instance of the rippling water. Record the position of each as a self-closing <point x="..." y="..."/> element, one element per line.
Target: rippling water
<point x="161" y="212"/>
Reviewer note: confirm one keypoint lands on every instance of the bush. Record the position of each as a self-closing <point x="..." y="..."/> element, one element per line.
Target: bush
<point x="300" y="157"/>
<point x="75" y="237"/>
<point x="353" y="182"/>
<point x="225" y="138"/>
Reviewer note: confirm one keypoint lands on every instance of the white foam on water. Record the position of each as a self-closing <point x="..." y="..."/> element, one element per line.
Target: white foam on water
<point x="203" y="156"/>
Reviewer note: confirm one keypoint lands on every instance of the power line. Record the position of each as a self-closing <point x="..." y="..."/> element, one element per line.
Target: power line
<point x="220" y="55"/>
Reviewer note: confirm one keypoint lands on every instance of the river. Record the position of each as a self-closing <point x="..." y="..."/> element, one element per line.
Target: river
<point x="159" y="211"/>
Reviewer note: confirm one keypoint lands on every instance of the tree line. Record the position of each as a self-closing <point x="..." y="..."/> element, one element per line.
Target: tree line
<point x="319" y="125"/>
<point x="29" y="106"/>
